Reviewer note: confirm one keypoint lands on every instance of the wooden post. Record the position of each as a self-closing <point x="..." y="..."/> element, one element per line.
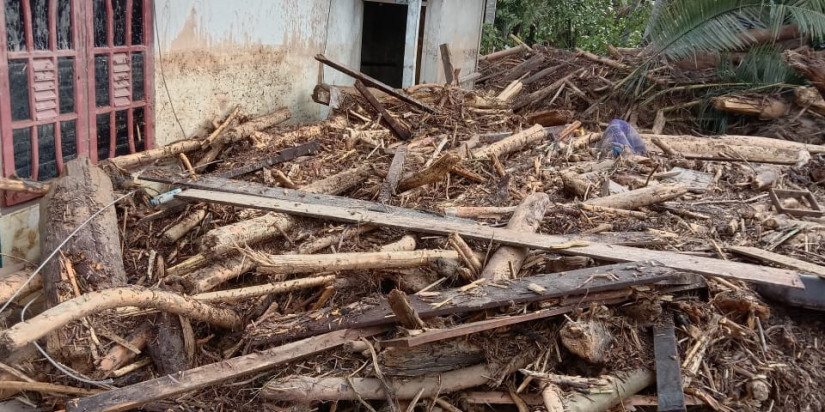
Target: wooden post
<point x="447" y="62"/>
<point x="399" y="129"/>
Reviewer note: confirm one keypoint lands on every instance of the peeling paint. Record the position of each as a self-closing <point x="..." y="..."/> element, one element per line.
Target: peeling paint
<point x="19" y="237"/>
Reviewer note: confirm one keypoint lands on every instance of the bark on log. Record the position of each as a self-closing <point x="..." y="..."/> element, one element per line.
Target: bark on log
<point x="405" y="244"/>
<point x="244" y="130"/>
<point x="305" y="388"/>
<point x="221" y="240"/>
<point x="184" y="226"/>
<point x="623" y="384"/>
<point x="340" y="182"/>
<point x="513" y="143"/>
<point x="94" y="253"/>
<point x="764" y="107"/>
<point x="549" y="118"/>
<point x="232" y="295"/>
<point x="507" y="260"/>
<point x="478" y="212"/>
<point x="25" y="186"/>
<point x="136" y="159"/>
<point x="91" y="303"/>
<point x="575" y="184"/>
<point x="503" y="53"/>
<point x="390" y="184"/>
<point x="168" y="351"/>
<point x="646" y="196"/>
<point x="287" y="264"/>
<point x="694" y="143"/>
<point x="322" y="243"/>
<point x="766" y="177"/>
<point x="511" y="91"/>
<point x="395" y="125"/>
<point x="437" y="171"/>
<point x="10" y="283"/>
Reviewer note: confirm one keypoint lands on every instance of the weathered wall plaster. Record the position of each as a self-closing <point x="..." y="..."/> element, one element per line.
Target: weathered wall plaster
<point x="457" y="23"/>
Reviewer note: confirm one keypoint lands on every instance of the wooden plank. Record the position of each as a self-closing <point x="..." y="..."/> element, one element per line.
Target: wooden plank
<point x="780" y="260"/>
<point x="447" y="62"/>
<point x="604" y="298"/>
<point x="394" y="124"/>
<point x="164" y="387"/>
<point x="411" y="42"/>
<point x="485" y="296"/>
<point x="668" y="372"/>
<point x="443" y="226"/>
<point x="374" y="83"/>
<point x="283" y="156"/>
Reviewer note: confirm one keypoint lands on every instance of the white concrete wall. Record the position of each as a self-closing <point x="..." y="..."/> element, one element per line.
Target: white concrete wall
<point x="258" y="54"/>
<point x="457" y="23"/>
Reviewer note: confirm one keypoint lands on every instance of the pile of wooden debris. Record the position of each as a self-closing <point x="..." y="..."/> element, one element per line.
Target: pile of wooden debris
<point x="439" y="249"/>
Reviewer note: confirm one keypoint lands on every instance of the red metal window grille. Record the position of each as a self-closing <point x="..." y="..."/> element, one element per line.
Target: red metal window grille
<point x="120" y="90"/>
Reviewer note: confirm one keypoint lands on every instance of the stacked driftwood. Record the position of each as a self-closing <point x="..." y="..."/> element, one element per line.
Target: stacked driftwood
<point x="433" y="249"/>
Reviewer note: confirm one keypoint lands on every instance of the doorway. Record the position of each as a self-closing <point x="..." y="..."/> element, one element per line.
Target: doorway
<point x="383" y="42"/>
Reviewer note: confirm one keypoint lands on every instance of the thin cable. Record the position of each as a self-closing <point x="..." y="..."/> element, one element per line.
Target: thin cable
<point x="162" y="73"/>
<point x="107" y="383"/>
<point x="60" y="246"/>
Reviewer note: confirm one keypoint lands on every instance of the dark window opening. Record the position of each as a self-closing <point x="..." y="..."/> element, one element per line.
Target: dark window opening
<point x="46" y="155"/>
<point x="137" y="76"/>
<point x="64" y="24"/>
<point x="382" y="44"/>
<point x="22" y="152"/>
<point x="15" y="34"/>
<point x="139" y="120"/>
<point x="40" y="24"/>
<point x="65" y="81"/>
<point x="101" y="28"/>
<point x="19" y="87"/>
<point x="102" y="80"/>
<point x="137" y="22"/>
<point x="121" y="133"/>
<point x="119" y="12"/>
<point x="104" y="135"/>
<point x="68" y="140"/>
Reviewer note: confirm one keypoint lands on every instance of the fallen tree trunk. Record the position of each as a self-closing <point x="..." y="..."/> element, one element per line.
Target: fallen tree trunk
<point x="340" y="182"/>
<point x="680" y="142"/>
<point x="765" y="108"/>
<point x="286" y="264"/>
<point x="232" y="295"/>
<point x="119" y="354"/>
<point x="322" y="243"/>
<point x="23" y="333"/>
<point x="622" y="385"/>
<point x="186" y="224"/>
<point x="503" y="53"/>
<point x="734" y="148"/>
<point x="645" y="196"/>
<point x="507" y="260"/>
<point x="208" y="278"/>
<point x="147" y="156"/>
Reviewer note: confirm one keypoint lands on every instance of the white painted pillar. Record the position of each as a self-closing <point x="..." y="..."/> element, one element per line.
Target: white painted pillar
<point x="411" y="42"/>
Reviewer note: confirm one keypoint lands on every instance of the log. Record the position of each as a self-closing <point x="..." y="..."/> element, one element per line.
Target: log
<point x="305" y="388"/>
<point x="25" y="186"/>
<point x="221" y="240"/>
<point x="766" y="177"/>
<point x="622" y="385"/>
<point x="94" y="253"/>
<point x="498" y="398"/>
<point x="506" y="262"/>
<point x="288" y="264"/>
<point x="232" y="295"/>
<point x="348" y="210"/>
<point x="406" y="315"/>
<point x="465" y="253"/>
<point x="549" y="118"/>
<point x="503" y="53"/>
<point x="244" y="130"/>
<point x="23" y="333"/>
<point x="436" y="172"/>
<point x="374" y="83"/>
<point x="735" y="148"/>
<point x="134" y="396"/>
<point x="12" y="282"/>
<point x="524" y="67"/>
<point x="340" y="182"/>
<point x="168" y="350"/>
<point x="395" y="125"/>
<point x="478" y="211"/>
<point x="511" y="91"/>
<point x="282" y="156"/>
<point x="429" y="359"/>
<point x="645" y="196"/>
<point x="513" y="143"/>
<point x="186" y="224"/>
<point x="214" y="151"/>
<point x="810" y="98"/>
<point x="575" y="184"/>
<point x="322" y="243"/>
<point x="405" y="244"/>
<point x="147" y="156"/>
<point x="390" y="184"/>
<point x="764" y="107"/>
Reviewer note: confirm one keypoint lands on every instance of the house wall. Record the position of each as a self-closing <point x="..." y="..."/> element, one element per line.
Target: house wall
<point x="212" y="55"/>
<point x="457" y="23"/>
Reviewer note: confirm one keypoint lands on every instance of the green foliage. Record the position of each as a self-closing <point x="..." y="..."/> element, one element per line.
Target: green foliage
<point x="683" y="27"/>
<point x="589" y="24"/>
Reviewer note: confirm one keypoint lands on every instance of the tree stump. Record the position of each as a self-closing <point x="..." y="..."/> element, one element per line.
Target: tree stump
<point x="93" y="259"/>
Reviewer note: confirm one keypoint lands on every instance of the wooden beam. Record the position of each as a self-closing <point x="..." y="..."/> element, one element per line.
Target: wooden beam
<point x="447" y="62"/>
<point x="392" y="122"/>
<point x="444" y="226"/>
<point x="374" y="83"/>
<point x="283" y="156"/>
<point x="668" y="370"/>
<point x="779" y="260"/>
<point x="212" y="374"/>
<point x="393" y="175"/>
<point x="459" y="300"/>
<point x="411" y="42"/>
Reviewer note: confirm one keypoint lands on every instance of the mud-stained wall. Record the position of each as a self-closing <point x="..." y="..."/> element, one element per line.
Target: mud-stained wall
<point x="212" y="55"/>
<point x="457" y="23"/>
